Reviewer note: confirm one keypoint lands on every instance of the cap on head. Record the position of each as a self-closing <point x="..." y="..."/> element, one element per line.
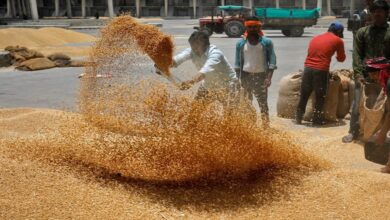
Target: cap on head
<point x="337" y="27"/>
<point x="379" y="4"/>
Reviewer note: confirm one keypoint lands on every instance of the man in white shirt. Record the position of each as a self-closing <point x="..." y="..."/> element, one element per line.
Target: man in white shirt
<point x="217" y="76"/>
<point x="255" y="64"/>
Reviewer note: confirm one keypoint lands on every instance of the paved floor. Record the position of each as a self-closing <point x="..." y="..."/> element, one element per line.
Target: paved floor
<point x="58" y="87"/>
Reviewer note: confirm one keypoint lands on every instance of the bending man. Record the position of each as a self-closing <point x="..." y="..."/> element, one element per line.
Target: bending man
<point x="316" y="72"/>
<point x="215" y="73"/>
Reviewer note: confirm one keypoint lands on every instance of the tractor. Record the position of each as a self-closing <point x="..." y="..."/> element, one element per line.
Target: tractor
<point x="229" y="19"/>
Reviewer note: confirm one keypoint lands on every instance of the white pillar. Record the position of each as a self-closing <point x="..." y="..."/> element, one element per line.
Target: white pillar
<point x="166" y="8"/>
<point x="57" y="8"/>
<point x="69" y="8"/>
<point x="13" y="8"/>
<point x="83" y="14"/>
<point x="329" y="6"/>
<point x="137" y="6"/>
<point x="319" y="5"/>
<point x="222" y="2"/>
<point x="9" y="13"/>
<point x="34" y="10"/>
<point x="110" y="8"/>
<point x="19" y="6"/>
<point x="303" y="4"/>
<point x="277" y="4"/>
<point x="194" y="7"/>
<point x="352" y="8"/>
<point x="24" y="8"/>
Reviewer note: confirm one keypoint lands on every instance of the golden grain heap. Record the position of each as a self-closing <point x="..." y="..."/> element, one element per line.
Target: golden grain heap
<point x="146" y="129"/>
<point x="138" y="126"/>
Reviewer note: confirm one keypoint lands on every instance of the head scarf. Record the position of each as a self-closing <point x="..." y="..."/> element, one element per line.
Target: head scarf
<point x="253" y="23"/>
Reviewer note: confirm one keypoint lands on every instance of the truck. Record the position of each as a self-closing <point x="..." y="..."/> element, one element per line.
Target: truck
<point x="229" y="19"/>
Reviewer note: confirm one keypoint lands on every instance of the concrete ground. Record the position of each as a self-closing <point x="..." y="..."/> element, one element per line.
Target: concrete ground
<point x="58" y="87"/>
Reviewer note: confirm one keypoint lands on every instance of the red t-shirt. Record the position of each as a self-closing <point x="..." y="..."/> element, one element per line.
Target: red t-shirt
<point x="321" y="50"/>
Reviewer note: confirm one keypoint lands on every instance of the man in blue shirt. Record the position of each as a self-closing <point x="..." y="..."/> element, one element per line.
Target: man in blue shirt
<point x="255" y="64"/>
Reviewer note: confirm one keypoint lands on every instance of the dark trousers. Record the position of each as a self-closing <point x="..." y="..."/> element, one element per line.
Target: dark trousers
<point x="316" y="80"/>
<point x="253" y="84"/>
<point x="354" y="127"/>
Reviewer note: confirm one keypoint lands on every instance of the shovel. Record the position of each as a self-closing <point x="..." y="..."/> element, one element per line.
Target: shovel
<point x="174" y="80"/>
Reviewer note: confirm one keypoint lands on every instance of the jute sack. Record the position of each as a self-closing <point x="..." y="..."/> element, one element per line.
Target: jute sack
<point x="332" y="98"/>
<point x="331" y="101"/>
<point x="61" y="63"/>
<point x="58" y="56"/>
<point x="77" y="63"/>
<point x="289" y="93"/>
<point x="343" y="72"/>
<point x="36" y="64"/>
<point x="15" y="48"/>
<point x="29" y="54"/>
<point x="16" y="59"/>
<point x="372" y="108"/>
<point x="344" y="103"/>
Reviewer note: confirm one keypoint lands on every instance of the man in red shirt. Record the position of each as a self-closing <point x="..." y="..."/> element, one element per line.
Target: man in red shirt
<point x="316" y="72"/>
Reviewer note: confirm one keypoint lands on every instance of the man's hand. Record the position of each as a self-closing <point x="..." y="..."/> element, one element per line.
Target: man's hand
<point x="268" y="80"/>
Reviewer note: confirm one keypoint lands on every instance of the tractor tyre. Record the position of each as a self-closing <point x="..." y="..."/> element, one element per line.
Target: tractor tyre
<point x="234" y="28"/>
<point x="296" y="31"/>
<point x="286" y="32"/>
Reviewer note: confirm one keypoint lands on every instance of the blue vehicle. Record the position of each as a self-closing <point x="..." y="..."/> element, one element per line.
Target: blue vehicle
<point x="230" y="20"/>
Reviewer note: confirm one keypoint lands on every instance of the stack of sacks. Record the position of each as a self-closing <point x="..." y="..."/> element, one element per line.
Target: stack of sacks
<point x="338" y="100"/>
<point x="29" y="60"/>
<point x="21" y="54"/>
<point x="63" y="60"/>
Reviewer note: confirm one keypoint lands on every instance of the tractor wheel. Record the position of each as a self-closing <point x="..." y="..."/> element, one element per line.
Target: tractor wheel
<point x="286" y="32"/>
<point x="296" y="31"/>
<point x="234" y="28"/>
<point x="293" y="32"/>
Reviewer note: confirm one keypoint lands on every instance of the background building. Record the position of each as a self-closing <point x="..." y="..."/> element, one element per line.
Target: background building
<point x="35" y="9"/>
